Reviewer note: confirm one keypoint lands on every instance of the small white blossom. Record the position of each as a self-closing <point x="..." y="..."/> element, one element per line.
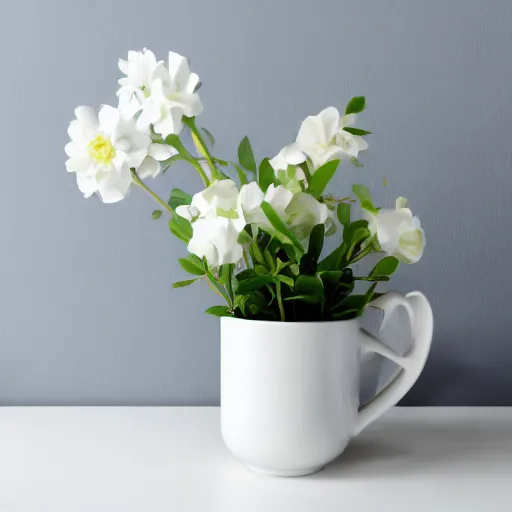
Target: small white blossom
<point x="350" y="143"/>
<point x="251" y="197"/>
<point x="219" y="199"/>
<point x="305" y="212"/>
<point x="217" y="220"/>
<point x="103" y="149"/>
<point x="141" y="70"/>
<point x="398" y="232"/>
<point x="163" y="94"/>
<point x="216" y="239"/>
<point x="286" y="167"/>
<point x="317" y="137"/>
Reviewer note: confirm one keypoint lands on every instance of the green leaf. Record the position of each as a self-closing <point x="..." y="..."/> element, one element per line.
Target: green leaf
<point x="181" y="228"/>
<point x="256" y="254"/>
<point x="167" y="163"/>
<point x="219" y="311"/>
<point x="356" y="131"/>
<point x="226" y="273"/>
<point x="358" y="236"/>
<point x="354" y="302"/>
<point x="280" y="226"/>
<point x="156" y="214"/>
<point x="244" y="237"/>
<point x="266" y="175"/>
<point x="286" y="280"/>
<point x="343" y="212"/>
<point x="260" y="270"/>
<point x="316" y="241"/>
<point x="241" y="174"/>
<point x="330" y="276"/>
<point x="385" y="267"/>
<point x="253" y="304"/>
<point x="252" y="284"/>
<point x="210" y="136"/>
<point x="369" y="293"/>
<point x="333" y="260"/>
<point x="309" y="262"/>
<point x="246" y="155"/>
<point x="179" y="198"/>
<point x="215" y="283"/>
<point x="356" y="162"/>
<point x="281" y="265"/>
<point x="246" y="274"/>
<point x="321" y="178"/>
<point x="309" y="289"/>
<point x="193" y="265"/>
<point x="365" y="198"/>
<point x="269" y="260"/>
<point x="355" y="105"/>
<point x="385" y="181"/>
<point x="181" y="284"/>
<point x="349" y="231"/>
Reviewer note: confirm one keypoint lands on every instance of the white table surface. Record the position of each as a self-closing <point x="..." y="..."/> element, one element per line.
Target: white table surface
<point x="152" y="459"/>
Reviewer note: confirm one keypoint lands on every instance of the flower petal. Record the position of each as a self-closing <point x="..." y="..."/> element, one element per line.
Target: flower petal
<point x="114" y="185"/>
<point x="78" y="164"/>
<point x="108" y="119"/>
<point x="148" y="168"/>
<point x="87" y="117"/>
<point x="161" y="152"/>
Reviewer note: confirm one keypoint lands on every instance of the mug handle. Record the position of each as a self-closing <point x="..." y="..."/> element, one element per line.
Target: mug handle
<point x="422" y="323"/>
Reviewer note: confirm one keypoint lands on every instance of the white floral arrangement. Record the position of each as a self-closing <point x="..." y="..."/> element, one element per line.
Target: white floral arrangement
<point x="256" y="240"/>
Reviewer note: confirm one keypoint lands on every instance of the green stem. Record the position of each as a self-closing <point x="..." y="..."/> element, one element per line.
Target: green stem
<point x="361" y="255"/>
<point x="219" y="288"/>
<point x="229" y="285"/>
<point x="280" y="301"/>
<point x="246" y="258"/>
<point x="203" y="148"/>
<point x="175" y="142"/>
<point x="143" y="186"/>
<point x="214" y="160"/>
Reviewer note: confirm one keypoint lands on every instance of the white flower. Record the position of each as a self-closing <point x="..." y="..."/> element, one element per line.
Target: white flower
<point x="141" y="69"/>
<point x="216" y="239"/>
<point x="220" y="199"/>
<point x="286" y="167"/>
<point x="289" y="155"/>
<point x="305" y="212"/>
<point x="217" y="220"/>
<point x="163" y="94"/>
<point x="103" y="149"/>
<point x="350" y="143"/>
<point x="398" y="232"/>
<point x="251" y="197"/>
<point x="317" y="137"/>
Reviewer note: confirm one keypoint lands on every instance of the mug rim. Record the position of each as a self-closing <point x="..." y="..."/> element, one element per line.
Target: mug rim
<point x="278" y="322"/>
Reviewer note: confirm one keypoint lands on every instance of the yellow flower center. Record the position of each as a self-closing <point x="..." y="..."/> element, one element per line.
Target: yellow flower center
<point x="101" y="150"/>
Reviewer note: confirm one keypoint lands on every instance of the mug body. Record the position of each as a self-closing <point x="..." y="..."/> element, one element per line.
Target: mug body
<point x="289" y="392"/>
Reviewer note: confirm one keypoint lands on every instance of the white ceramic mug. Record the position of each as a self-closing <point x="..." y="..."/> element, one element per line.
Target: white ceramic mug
<point x="289" y="390"/>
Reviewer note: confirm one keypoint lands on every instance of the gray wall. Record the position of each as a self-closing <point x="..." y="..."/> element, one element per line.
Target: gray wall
<point x="88" y="315"/>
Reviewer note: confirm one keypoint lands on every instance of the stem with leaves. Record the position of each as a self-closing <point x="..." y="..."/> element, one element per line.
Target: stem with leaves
<point x="280" y="301"/>
<point x="198" y="139"/>
<point x="143" y="186"/>
<point x="175" y="142"/>
<point x="361" y="255"/>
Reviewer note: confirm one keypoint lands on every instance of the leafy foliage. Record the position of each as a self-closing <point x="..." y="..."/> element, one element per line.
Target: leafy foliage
<point x="355" y="105"/>
<point x="285" y="278"/>
<point x="178" y="198"/>
<point x="246" y="155"/>
<point x="321" y="178"/>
